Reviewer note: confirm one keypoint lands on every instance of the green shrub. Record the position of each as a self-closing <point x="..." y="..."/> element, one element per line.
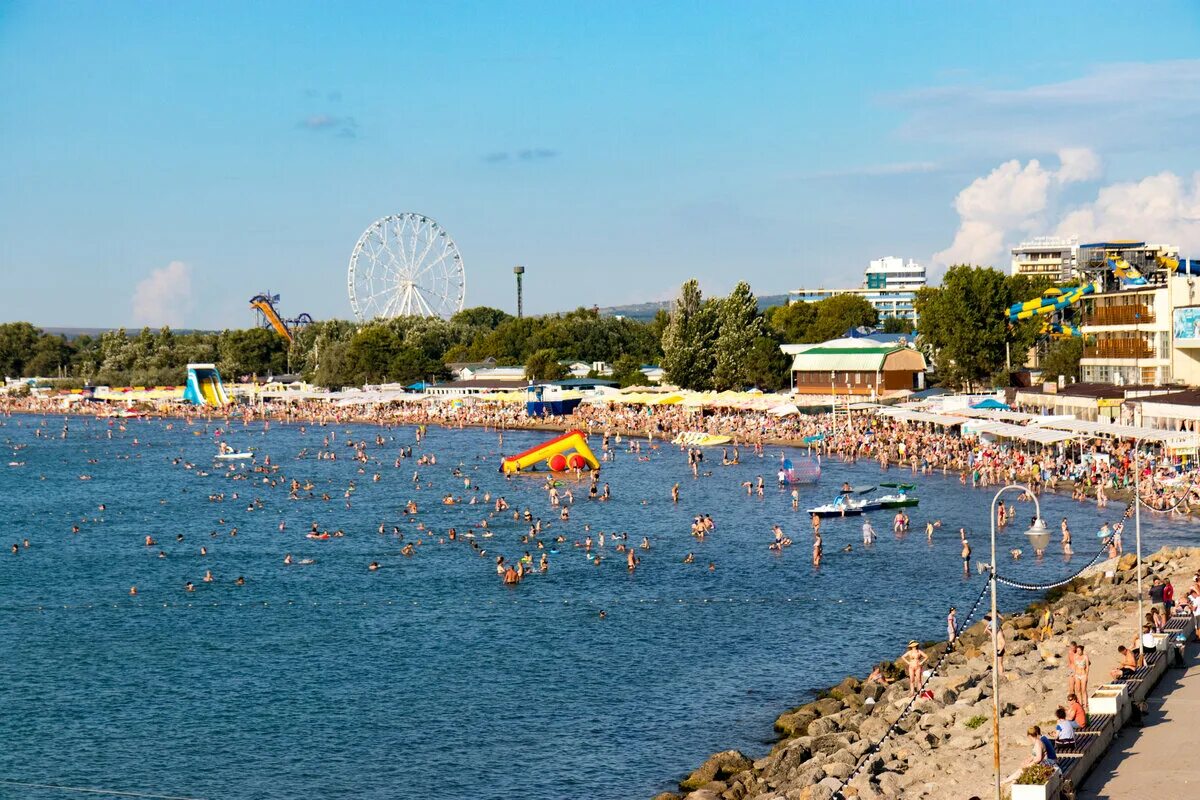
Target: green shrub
<point x="1036" y="775"/>
<point x="975" y="721"/>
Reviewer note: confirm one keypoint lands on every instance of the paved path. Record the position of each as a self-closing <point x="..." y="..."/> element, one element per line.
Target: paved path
<point x="1159" y="760"/>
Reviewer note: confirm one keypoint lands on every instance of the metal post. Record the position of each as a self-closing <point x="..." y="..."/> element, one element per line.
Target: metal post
<point x="1137" y="533"/>
<point x="519" y="271"/>
<point x="995" y="625"/>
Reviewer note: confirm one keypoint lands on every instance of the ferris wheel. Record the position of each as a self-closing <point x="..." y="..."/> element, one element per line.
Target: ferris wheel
<point x="406" y="265"/>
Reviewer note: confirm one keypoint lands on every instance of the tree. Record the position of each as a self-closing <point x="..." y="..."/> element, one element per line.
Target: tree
<point x="791" y="322"/>
<point x="543" y="366"/>
<point x="50" y="354"/>
<point x="17" y="340"/>
<point x="628" y="372"/>
<point x="896" y="325"/>
<point x="738" y="326"/>
<point x="688" y="358"/>
<point x="837" y="314"/>
<point x="370" y="353"/>
<point x="481" y="317"/>
<point x="964" y="324"/>
<point x="1062" y="359"/>
<point x="254" y="351"/>
<point x="766" y="365"/>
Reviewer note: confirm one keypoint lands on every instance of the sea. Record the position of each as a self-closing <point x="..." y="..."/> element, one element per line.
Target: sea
<point x="429" y="677"/>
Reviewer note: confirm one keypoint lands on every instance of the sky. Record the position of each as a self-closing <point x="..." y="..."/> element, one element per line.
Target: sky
<point x="160" y="163"/>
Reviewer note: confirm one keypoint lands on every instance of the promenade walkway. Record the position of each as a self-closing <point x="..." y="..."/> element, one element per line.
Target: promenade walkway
<point x="1159" y="760"/>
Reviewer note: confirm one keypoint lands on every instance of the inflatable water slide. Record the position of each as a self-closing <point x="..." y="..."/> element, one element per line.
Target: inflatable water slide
<point x="204" y="387"/>
<point x="569" y="451"/>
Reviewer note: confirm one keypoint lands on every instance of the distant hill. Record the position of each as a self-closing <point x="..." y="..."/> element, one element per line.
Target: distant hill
<point x="75" y="333"/>
<point x="646" y="311"/>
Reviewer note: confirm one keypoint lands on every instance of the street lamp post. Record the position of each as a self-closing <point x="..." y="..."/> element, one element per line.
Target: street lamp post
<point x="1039" y="537"/>
<point x="1137" y="532"/>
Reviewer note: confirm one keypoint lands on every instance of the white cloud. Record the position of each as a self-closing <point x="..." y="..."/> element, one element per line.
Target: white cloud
<point x="1011" y="198"/>
<point x="1162" y="208"/>
<point x="1077" y="164"/>
<point x="1132" y="106"/>
<point x="164" y="297"/>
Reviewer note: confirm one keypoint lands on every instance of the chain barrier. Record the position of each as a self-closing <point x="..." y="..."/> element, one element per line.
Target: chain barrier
<point x="874" y="748"/>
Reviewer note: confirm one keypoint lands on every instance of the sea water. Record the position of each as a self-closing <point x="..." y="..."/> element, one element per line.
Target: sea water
<point x="429" y="677"/>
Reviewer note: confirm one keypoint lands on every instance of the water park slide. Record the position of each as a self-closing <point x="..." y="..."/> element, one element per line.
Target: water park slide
<point x="263" y="304"/>
<point x="1126" y="271"/>
<point x="547" y="451"/>
<point x="1051" y="301"/>
<point x="1183" y="266"/>
<point x="204" y="387"/>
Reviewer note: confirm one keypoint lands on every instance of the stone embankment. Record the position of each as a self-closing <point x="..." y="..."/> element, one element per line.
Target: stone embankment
<point x="941" y="750"/>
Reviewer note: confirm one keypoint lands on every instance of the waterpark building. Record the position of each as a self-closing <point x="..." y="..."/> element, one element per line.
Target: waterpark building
<point x="855" y="366"/>
<point x="890" y="285"/>
<point x="1147" y="334"/>
<point x="1046" y="257"/>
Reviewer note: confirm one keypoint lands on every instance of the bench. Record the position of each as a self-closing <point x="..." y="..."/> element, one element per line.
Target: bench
<point x="1097" y="724"/>
<point x="1077" y="759"/>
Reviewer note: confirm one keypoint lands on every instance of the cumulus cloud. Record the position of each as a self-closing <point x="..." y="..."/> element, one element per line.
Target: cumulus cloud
<point x="1162" y="208"/>
<point x="1012" y="198"/>
<point x="164" y="297"/>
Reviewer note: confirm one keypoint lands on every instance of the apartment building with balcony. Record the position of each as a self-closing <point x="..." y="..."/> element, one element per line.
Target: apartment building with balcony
<point x="1046" y="257"/>
<point x="1130" y="334"/>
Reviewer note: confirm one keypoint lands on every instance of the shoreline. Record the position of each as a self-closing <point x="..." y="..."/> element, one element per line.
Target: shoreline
<point x="832" y="737"/>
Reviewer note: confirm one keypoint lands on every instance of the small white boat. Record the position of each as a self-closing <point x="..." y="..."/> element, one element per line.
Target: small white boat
<point x="234" y="456"/>
<point x="843" y="507"/>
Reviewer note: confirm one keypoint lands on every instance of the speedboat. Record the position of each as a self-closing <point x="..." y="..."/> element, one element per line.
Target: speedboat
<point x="842" y="507"/>
<point x="899" y="500"/>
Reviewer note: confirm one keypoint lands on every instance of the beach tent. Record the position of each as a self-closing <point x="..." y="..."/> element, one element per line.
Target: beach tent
<point x="785" y="410"/>
<point x="992" y="404"/>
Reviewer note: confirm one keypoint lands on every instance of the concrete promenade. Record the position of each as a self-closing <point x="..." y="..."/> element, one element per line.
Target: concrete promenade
<point x="1159" y="760"/>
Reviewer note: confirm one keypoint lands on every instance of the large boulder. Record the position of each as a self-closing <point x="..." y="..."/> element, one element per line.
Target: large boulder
<point x="718" y="766"/>
<point x="848" y="686"/>
<point x="795" y="723"/>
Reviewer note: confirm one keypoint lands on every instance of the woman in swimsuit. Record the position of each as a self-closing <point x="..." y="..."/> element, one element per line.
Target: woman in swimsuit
<point x="915" y="659"/>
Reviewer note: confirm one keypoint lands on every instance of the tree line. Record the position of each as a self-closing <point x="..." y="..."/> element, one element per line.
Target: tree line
<point x="701" y="343"/>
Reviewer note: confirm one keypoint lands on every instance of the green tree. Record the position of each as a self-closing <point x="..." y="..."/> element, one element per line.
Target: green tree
<point x="1062" y="359"/>
<point x="253" y="351"/>
<point x="481" y="317"/>
<point x="965" y="327"/>
<point x="837" y="314"/>
<point x="49" y="355"/>
<point x="738" y="326"/>
<point x="766" y="365"/>
<point x="370" y="353"/>
<point x="627" y="371"/>
<point x="17" y="340"/>
<point x="543" y="366"/>
<point x="410" y="365"/>
<point x="790" y="323"/>
<point x="896" y="325"/>
<point x="688" y="358"/>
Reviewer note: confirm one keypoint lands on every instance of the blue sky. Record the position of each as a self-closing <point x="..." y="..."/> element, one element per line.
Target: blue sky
<point x="207" y="151"/>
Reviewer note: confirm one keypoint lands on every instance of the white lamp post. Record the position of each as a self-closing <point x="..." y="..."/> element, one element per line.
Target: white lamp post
<point x="1039" y="537"/>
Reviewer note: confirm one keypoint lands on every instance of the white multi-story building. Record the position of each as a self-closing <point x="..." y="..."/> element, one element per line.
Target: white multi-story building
<point x="1046" y="257"/>
<point x="889" y="284"/>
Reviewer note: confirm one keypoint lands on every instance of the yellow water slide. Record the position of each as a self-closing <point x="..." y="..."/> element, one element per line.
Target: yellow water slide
<point x="263" y="305"/>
